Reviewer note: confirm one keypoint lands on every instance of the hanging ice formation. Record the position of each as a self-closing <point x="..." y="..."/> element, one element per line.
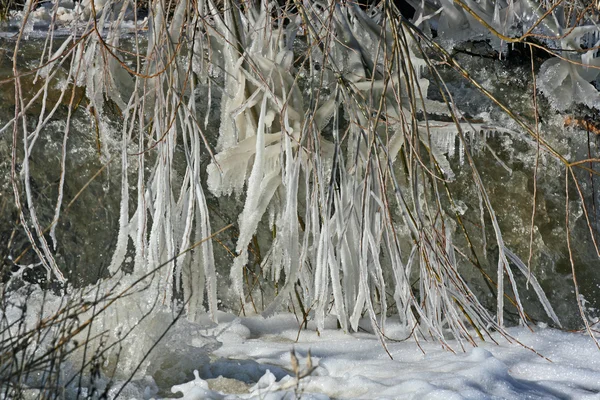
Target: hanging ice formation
<point x="334" y="231"/>
<point x="158" y="115"/>
<point x="333" y="142"/>
<point x="566" y="78"/>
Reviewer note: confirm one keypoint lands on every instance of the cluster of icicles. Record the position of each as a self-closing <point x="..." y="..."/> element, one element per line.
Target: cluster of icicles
<point x="325" y="144"/>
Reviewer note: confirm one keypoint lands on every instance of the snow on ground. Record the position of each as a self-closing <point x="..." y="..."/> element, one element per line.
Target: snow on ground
<point x="356" y="366"/>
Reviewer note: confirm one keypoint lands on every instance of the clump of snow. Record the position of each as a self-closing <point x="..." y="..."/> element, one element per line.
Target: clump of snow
<point x="196" y="390"/>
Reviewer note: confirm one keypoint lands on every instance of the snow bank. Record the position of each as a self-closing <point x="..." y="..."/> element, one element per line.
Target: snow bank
<point x="356" y="365"/>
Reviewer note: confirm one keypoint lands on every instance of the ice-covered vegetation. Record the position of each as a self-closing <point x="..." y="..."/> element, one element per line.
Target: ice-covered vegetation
<point x="334" y="140"/>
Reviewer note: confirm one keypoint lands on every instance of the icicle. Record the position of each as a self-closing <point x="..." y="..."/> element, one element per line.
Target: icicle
<point x="321" y="278"/>
<point x="208" y="262"/>
<point x="139" y="218"/>
<point x="123" y="235"/>
<point x="289" y="229"/>
<point x="187" y="200"/>
<point x="461" y="152"/>
<point x="250" y="215"/>
<point x="336" y="288"/>
<point x="186" y="218"/>
<point x="193" y="279"/>
<point x="536" y="286"/>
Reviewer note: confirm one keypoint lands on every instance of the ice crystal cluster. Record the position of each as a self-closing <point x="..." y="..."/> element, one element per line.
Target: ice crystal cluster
<point x="567" y="77"/>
